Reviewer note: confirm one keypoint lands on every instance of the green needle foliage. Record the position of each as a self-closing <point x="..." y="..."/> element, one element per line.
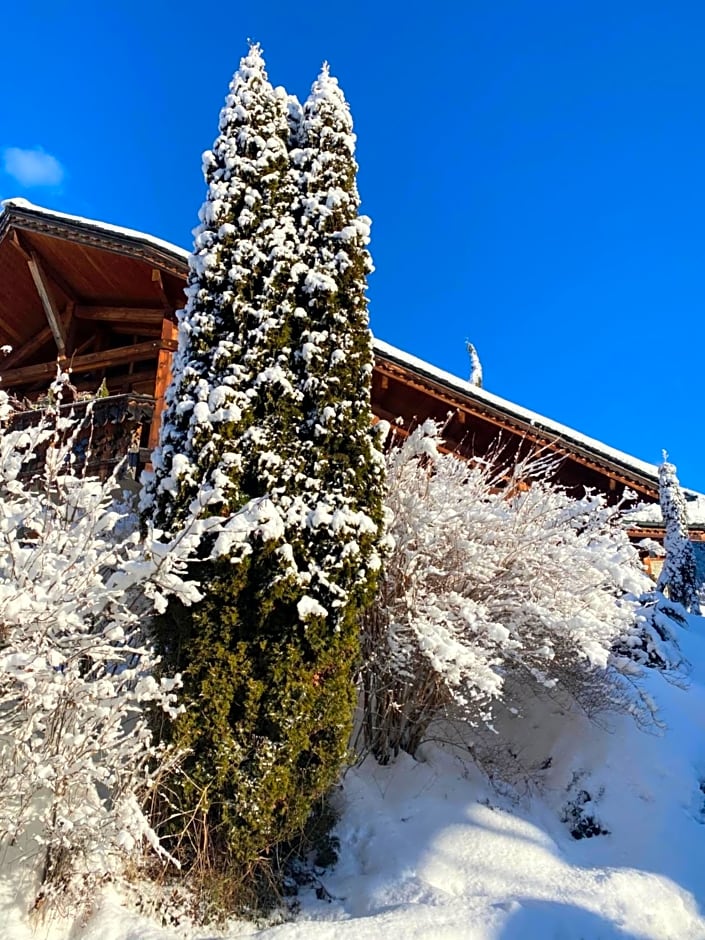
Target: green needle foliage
<point x="270" y="411"/>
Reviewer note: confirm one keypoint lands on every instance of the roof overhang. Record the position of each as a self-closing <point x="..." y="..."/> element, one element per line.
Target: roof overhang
<point x="150" y="255"/>
<point x="542" y="432"/>
<point x="22" y="215"/>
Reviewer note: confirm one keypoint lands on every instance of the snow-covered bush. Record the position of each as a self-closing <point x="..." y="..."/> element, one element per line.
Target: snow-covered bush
<point x="490" y="583"/>
<point x="652" y="640"/>
<point x="76" y="670"/>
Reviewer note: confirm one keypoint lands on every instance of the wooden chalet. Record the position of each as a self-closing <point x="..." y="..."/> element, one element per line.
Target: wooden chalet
<point x="101" y="300"/>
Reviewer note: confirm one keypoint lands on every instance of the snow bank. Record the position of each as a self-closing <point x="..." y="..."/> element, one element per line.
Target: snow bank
<point x="435" y="849"/>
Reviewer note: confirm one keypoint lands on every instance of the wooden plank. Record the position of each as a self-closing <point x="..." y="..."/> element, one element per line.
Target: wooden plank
<point x="86" y="344"/>
<point x="50" y="308"/>
<point x="131" y="329"/>
<point x="98" y="360"/>
<point x="151" y="315"/>
<point x="170" y="333"/>
<point x="658" y="533"/>
<point x="69" y="322"/>
<point x="12" y="334"/>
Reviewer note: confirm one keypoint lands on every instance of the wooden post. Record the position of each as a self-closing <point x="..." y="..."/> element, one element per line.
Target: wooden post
<point x="169" y="335"/>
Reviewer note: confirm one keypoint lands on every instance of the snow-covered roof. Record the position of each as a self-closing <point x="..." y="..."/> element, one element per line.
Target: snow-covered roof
<point x="556" y="432"/>
<point x="650" y="515"/>
<point x="29" y="210"/>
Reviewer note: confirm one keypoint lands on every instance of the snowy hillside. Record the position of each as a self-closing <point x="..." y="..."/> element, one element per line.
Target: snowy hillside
<point x="436" y="849"/>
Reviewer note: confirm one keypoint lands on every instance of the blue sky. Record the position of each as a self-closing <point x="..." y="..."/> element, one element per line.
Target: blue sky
<point x="534" y="171"/>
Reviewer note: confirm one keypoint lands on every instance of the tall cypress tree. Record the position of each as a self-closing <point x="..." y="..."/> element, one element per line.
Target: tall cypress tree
<point x="231" y="389"/>
<point x="342" y="463"/>
<point x="678" y="575"/>
<point x="271" y="398"/>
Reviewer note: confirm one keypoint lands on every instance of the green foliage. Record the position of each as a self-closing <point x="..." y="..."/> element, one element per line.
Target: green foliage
<point x="270" y="401"/>
<point x="270" y="709"/>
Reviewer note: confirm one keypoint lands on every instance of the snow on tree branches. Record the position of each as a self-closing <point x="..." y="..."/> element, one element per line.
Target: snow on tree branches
<point x="231" y="367"/>
<point x="76" y="672"/>
<point x="271" y="400"/>
<point x="475" y="365"/>
<point x="678" y="576"/>
<point x="490" y="584"/>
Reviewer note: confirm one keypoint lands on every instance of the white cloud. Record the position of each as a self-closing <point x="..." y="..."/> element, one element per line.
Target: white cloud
<point x="32" y="167"/>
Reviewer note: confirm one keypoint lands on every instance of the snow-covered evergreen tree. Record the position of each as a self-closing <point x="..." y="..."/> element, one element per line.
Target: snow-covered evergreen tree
<point x="232" y="382"/>
<point x="270" y="406"/>
<point x="342" y="464"/>
<point x="678" y="576"/>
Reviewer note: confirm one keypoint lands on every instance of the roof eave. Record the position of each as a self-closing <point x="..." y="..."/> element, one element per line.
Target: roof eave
<point x="17" y="214"/>
<point x="433" y="379"/>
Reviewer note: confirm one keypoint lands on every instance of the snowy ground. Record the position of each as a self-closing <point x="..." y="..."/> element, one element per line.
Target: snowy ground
<point x="434" y="849"/>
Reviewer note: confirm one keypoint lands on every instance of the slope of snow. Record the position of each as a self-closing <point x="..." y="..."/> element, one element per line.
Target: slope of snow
<point x="434" y="849"/>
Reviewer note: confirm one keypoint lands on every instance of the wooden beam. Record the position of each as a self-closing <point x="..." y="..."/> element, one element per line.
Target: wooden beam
<point x="57" y="280"/>
<point x="159" y="281"/>
<point x="131" y="329"/>
<point x="68" y="318"/>
<point x="24" y="351"/>
<point x="151" y="315"/>
<point x="170" y="332"/>
<point x="86" y="344"/>
<point x="50" y="308"/>
<point x="98" y="360"/>
<point x="658" y="533"/>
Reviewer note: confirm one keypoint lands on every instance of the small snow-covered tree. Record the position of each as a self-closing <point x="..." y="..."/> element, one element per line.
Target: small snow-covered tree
<point x="270" y="401"/>
<point x="678" y="576"/>
<point x="491" y="585"/>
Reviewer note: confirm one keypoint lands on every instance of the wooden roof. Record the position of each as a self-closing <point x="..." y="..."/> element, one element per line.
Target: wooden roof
<point x="111" y="290"/>
<point x="476" y="420"/>
<point x="71" y="288"/>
